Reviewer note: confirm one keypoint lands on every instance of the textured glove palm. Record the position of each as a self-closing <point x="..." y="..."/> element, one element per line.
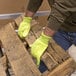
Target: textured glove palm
<point x="39" y="47"/>
<point x="24" y="27"/>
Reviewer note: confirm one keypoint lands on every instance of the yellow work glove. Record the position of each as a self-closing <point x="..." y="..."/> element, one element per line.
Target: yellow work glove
<point x="39" y="47"/>
<point x="24" y="27"/>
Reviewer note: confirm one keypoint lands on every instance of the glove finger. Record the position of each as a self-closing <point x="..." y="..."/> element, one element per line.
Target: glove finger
<point x="20" y="34"/>
<point x="38" y="61"/>
<point x="25" y="33"/>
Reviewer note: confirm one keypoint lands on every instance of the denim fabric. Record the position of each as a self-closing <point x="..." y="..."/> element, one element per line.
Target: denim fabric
<point x="65" y="39"/>
<point x="42" y="67"/>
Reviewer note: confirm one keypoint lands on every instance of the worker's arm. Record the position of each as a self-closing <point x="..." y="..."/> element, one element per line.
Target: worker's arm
<point x="32" y="7"/>
<point x="60" y="11"/>
<point x="25" y="26"/>
<point x="29" y="13"/>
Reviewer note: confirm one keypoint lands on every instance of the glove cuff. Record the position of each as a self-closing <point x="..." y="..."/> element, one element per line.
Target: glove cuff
<point x="44" y="38"/>
<point x="27" y="19"/>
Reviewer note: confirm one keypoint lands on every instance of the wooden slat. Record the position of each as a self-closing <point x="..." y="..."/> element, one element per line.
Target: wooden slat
<point x="18" y="20"/>
<point x="45" y="73"/>
<point x="49" y="61"/>
<point x="37" y="30"/>
<point x="64" y="68"/>
<point x="61" y="52"/>
<point x="30" y="38"/>
<point x="53" y="53"/>
<point x="3" y="66"/>
<point x="2" y="71"/>
<point x="20" y="60"/>
<point x="3" y="62"/>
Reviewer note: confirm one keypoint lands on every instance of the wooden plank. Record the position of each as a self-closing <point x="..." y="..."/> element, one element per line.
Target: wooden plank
<point x="49" y="61"/>
<point x="37" y="28"/>
<point x="2" y="71"/>
<point x="67" y="72"/>
<point x="45" y="73"/>
<point x="61" y="52"/>
<point x="64" y="68"/>
<point x="18" y="56"/>
<point x="53" y="53"/>
<point x="3" y="66"/>
<point x="18" y="20"/>
<point x="42" y="20"/>
<point x="30" y="38"/>
<point x="3" y="62"/>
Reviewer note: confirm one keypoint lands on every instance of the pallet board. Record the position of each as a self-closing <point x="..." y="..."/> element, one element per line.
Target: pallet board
<point x="17" y="52"/>
<point x="2" y="71"/>
<point x="3" y="66"/>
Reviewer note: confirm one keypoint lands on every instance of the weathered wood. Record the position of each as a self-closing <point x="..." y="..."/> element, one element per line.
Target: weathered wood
<point x="18" y="20"/>
<point x="37" y="29"/>
<point x="45" y="73"/>
<point x="64" y="68"/>
<point x="30" y="38"/>
<point x="53" y="53"/>
<point x="3" y="62"/>
<point x="49" y="61"/>
<point x="18" y="56"/>
<point x="61" y="52"/>
<point x="2" y="71"/>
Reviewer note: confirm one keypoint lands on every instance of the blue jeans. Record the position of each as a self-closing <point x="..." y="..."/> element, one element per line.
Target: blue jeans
<point x="65" y="39"/>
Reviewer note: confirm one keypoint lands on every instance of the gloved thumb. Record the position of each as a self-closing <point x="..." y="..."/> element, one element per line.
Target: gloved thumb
<point x="38" y="61"/>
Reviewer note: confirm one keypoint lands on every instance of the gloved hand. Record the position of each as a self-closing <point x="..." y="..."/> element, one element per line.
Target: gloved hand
<point x="39" y="47"/>
<point x="24" y="27"/>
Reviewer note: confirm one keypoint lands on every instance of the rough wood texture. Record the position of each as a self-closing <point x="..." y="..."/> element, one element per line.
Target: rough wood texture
<point x="64" y="68"/>
<point x="18" y="56"/>
<point x="49" y="61"/>
<point x="2" y="71"/>
<point x="57" y="53"/>
<point x="19" y="19"/>
<point x="61" y="52"/>
<point x="3" y="62"/>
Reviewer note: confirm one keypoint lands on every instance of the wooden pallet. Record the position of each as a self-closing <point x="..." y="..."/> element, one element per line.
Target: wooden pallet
<point x="17" y="60"/>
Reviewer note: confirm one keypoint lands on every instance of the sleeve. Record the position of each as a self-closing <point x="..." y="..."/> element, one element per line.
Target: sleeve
<point x="34" y="5"/>
<point x="59" y="12"/>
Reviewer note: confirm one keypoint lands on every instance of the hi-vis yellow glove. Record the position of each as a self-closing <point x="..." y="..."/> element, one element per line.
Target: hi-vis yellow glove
<point x="24" y="27"/>
<point x="39" y="47"/>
